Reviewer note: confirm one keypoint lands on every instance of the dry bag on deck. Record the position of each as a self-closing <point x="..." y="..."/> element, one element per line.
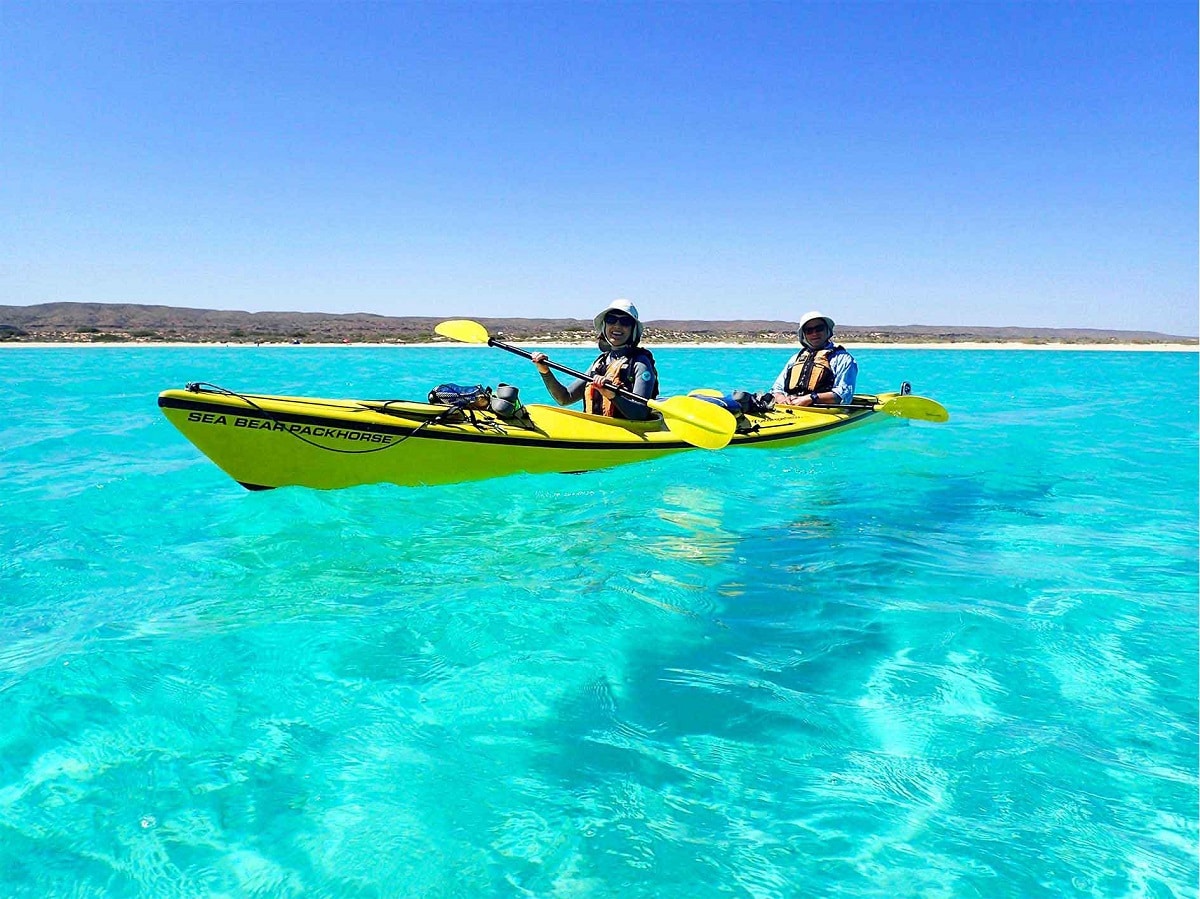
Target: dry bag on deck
<point x="506" y="402"/>
<point x="460" y="397"/>
<point x="753" y="403"/>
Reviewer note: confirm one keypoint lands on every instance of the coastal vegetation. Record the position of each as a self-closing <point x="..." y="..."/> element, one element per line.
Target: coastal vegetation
<point x="82" y="323"/>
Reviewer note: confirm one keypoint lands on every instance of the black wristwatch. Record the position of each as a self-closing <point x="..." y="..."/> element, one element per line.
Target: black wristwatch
<point x="814" y="397"/>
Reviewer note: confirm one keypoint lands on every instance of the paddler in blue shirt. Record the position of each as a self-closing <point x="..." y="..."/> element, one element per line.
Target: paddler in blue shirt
<point x="621" y="362"/>
<point x="822" y="373"/>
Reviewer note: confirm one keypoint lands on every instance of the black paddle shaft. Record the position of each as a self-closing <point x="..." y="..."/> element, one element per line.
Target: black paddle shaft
<point x="628" y="394"/>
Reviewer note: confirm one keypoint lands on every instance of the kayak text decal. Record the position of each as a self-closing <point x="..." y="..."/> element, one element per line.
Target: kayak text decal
<point x="260" y="424"/>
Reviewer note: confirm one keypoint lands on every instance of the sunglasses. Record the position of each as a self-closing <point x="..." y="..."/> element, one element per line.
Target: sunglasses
<point x="815" y="329"/>
<point x="615" y="318"/>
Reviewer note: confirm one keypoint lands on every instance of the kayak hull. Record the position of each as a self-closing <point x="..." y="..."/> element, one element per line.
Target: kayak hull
<point x="264" y="442"/>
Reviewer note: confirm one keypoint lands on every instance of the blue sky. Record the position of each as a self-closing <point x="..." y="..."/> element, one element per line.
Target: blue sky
<point x="1030" y="164"/>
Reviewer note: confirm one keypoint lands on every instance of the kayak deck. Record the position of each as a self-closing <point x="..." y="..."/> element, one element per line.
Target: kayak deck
<point x="264" y="441"/>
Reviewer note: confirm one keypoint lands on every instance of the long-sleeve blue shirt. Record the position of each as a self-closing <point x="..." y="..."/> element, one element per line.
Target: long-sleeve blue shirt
<point x="845" y="374"/>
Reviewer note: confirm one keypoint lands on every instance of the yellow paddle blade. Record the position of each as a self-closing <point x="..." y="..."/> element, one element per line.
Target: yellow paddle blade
<point x="705" y="391"/>
<point x="700" y="423"/>
<point x="918" y="407"/>
<point x="463" y="330"/>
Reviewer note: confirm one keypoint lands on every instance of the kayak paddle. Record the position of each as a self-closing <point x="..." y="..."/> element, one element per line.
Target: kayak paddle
<point x="918" y="407"/>
<point x="693" y="420"/>
<point x="907" y="406"/>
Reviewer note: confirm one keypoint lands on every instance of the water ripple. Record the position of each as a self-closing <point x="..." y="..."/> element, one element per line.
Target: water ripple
<point x="942" y="661"/>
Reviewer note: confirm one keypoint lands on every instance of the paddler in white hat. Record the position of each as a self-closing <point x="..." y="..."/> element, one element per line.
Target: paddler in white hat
<point x="821" y="373"/>
<point x="622" y="362"/>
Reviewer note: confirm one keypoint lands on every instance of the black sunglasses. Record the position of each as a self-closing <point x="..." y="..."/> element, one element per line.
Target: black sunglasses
<point x="616" y="318"/>
<point x="815" y="329"/>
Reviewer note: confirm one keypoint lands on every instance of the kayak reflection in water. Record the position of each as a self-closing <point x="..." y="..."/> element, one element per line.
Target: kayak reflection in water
<point x="621" y="363"/>
<point x="822" y="373"/>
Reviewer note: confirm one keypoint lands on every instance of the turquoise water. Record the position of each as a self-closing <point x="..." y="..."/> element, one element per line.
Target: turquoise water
<point x="914" y="659"/>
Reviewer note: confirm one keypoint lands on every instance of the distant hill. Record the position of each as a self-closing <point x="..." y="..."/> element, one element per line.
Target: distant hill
<point x="127" y="322"/>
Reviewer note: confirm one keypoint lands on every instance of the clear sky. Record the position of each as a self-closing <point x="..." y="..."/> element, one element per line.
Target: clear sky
<point x="974" y="163"/>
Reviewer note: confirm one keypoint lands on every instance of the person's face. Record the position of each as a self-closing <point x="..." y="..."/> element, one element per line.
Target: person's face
<point x="618" y="328"/>
<point x="815" y="332"/>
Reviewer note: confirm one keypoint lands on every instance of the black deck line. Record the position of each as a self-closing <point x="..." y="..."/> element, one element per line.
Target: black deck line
<point x="744" y="439"/>
<point x="421" y="433"/>
<point x="509" y="438"/>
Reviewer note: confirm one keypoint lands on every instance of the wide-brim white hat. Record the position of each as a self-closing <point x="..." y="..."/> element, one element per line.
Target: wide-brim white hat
<point x="625" y="307"/>
<point x="811" y="316"/>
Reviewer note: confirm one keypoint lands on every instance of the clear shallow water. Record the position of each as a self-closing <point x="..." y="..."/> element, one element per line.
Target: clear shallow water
<point x="925" y="660"/>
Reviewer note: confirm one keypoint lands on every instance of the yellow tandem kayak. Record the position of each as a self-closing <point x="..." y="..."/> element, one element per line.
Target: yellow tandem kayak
<point x="264" y="442"/>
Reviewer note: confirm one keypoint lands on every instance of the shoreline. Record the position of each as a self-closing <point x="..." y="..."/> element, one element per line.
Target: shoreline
<point x="789" y="347"/>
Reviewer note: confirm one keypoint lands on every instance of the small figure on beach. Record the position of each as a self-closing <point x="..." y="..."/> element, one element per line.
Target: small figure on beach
<point x="821" y="373"/>
<point x="621" y="363"/>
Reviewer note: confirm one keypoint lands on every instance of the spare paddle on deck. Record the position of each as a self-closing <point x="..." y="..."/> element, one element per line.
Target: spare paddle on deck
<point x="906" y="406"/>
<point x="920" y="408"/>
<point x="693" y="420"/>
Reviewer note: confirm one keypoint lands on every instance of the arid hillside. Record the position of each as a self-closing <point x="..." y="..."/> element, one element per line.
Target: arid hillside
<point x="124" y="322"/>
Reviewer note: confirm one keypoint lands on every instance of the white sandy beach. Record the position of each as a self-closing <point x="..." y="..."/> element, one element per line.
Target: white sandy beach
<point x="854" y="347"/>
